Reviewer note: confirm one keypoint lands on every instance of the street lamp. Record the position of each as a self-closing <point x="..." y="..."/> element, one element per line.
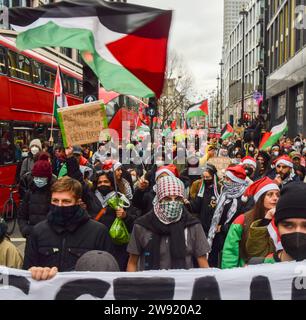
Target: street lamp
<point x="218" y="78"/>
<point x="221" y="64"/>
<point x="244" y="13"/>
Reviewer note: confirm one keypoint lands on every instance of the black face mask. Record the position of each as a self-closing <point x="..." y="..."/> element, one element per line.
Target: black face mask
<point x="63" y="215"/>
<point x="104" y="190"/>
<point x="295" y="245"/>
<point x="209" y="182"/>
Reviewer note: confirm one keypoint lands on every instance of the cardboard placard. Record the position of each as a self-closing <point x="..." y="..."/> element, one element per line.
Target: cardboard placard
<point x="83" y="123"/>
<point x="221" y="163"/>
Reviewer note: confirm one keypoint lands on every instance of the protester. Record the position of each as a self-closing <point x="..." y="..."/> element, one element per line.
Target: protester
<point x="36" y="201"/>
<point x="159" y="240"/>
<point x="229" y="205"/>
<point x="9" y="255"/>
<point x="204" y="203"/>
<point x="67" y="233"/>
<point x="104" y="188"/>
<point x="249" y="164"/>
<point x="28" y="163"/>
<point x="266" y="194"/>
<point x="290" y="219"/>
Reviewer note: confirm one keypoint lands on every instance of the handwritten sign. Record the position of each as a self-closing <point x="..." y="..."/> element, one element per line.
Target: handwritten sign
<point x="83" y="123"/>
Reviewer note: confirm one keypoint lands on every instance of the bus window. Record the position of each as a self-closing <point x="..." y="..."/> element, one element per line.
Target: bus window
<point x="6" y="144"/>
<point x="12" y="63"/>
<point x="80" y="83"/>
<point x="50" y="75"/>
<point x="37" y="73"/>
<point x="2" y="61"/>
<point x="24" y="68"/>
<point x="75" y="89"/>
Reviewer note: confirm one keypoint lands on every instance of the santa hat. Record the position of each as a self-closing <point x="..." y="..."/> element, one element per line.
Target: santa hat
<point x="249" y="160"/>
<point x="258" y="188"/>
<point x="170" y="169"/>
<point x="108" y="165"/>
<point x="285" y="160"/>
<point x="236" y="174"/>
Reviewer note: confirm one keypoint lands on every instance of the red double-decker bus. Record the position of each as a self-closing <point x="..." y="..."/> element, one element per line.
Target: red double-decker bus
<point x="26" y="100"/>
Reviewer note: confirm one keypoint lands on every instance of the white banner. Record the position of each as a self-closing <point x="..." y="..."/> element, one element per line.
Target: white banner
<point x="283" y="281"/>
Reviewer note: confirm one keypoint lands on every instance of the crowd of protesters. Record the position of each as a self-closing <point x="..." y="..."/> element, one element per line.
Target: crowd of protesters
<point x="177" y="216"/>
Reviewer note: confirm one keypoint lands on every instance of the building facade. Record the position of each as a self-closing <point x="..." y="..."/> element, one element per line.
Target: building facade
<point x="231" y="16"/>
<point x="253" y="64"/>
<point x="286" y="63"/>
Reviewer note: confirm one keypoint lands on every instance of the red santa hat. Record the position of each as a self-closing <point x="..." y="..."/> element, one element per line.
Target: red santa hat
<point x="236" y="174"/>
<point x="108" y="165"/>
<point x="285" y="160"/>
<point x="170" y="169"/>
<point x="249" y="160"/>
<point x="258" y="188"/>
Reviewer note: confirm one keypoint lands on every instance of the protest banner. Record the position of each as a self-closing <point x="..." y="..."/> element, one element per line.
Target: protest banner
<point x="280" y="281"/>
<point x="83" y="123"/>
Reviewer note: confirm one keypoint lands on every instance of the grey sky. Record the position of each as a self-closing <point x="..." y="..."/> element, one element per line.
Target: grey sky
<point x="197" y="34"/>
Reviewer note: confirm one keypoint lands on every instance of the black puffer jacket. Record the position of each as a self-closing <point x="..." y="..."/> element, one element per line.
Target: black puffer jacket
<point x="34" y="208"/>
<point x="52" y="245"/>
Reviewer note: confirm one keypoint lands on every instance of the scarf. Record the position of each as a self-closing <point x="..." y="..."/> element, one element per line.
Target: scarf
<point x="176" y="232"/>
<point x="202" y="188"/>
<point x="230" y="193"/>
<point x="289" y="178"/>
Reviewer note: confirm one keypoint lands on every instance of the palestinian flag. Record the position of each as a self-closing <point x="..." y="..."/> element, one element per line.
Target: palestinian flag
<point x="272" y="137"/>
<point x="124" y="44"/>
<point x="199" y="110"/>
<point x="227" y="132"/>
<point x="60" y="100"/>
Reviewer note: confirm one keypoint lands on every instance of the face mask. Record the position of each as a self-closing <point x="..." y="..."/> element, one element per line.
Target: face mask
<point x="297" y="144"/>
<point x="172" y="209"/>
<point x="159" y="163"/>
<point x="62" y="215"/>
<point x="104" y="190"/>
<point x="275" y="154"/>
<point x="24" y="154"/>
<point x="40" y="182"/>
<point x="209" y="182"/>
<point x="134" y="179"/>
<point x="251" y="149"/>
<point x="34" y="150"/>
<point x="295" y="245"/>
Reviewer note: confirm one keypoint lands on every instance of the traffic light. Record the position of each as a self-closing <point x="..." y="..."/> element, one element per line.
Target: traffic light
<point x="90" y="84"/>
<point x="152" y="107"/>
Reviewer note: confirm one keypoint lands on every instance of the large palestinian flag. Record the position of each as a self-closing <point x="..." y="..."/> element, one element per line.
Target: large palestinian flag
<point x="272" y="137"/>
<point x="124" y="44"/>
<point x="199" y="110"/>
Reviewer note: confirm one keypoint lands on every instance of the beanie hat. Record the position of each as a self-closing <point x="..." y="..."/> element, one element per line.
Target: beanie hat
<point x="285" y="160"/>
<point x="295" y="154"/>
<point x="258" y="188"/>
<point x="42" y="167"/>
<point x="291" y="203"/>
<point x="236" y="174"/>
<point x="36" y="142"/>
<point x="96" y="260"/>
<point x="170" y="169"/>
<point x="249" y="160"/>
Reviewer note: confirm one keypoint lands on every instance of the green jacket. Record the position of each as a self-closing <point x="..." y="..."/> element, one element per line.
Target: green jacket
<point x="231" y="254"/>
<point x="259" y="242"/>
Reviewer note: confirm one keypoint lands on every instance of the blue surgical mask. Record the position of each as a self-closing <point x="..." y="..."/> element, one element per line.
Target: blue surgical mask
<point x="40" y="182"/>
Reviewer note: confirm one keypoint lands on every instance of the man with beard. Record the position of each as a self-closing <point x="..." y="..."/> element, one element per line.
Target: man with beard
<point x="283" y="172"/>
<point x="249" y="164"/>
